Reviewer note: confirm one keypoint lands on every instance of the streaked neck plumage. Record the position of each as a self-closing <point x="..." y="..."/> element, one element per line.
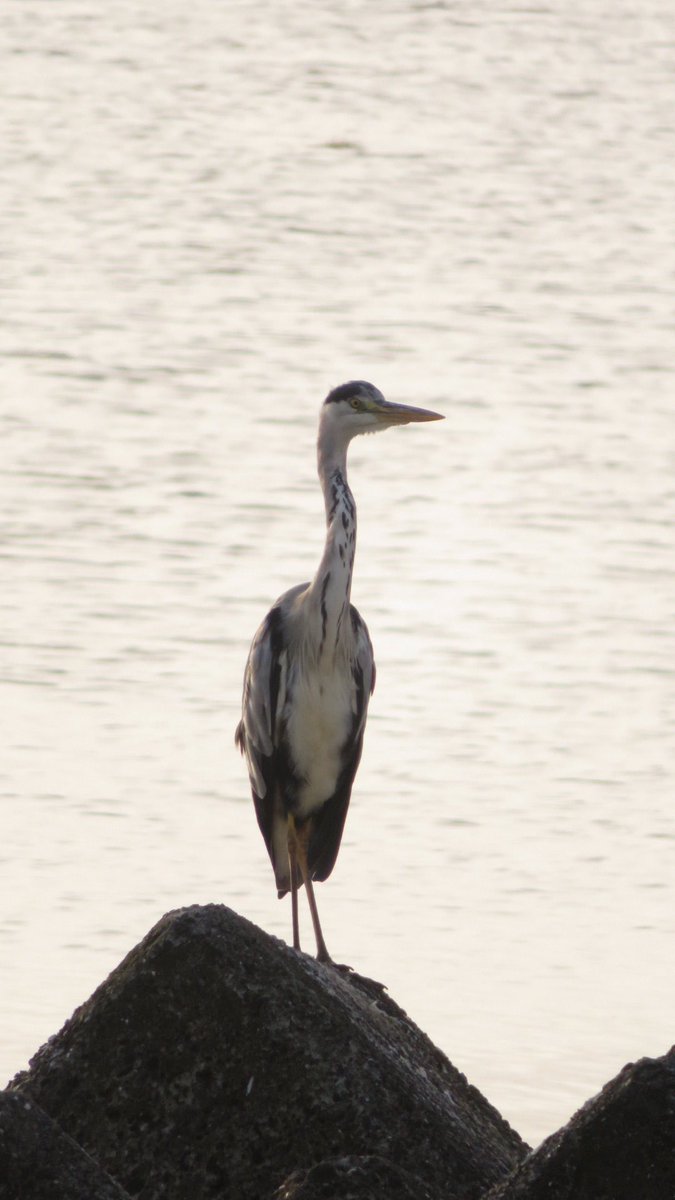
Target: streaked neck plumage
<point x="331" y="587"/>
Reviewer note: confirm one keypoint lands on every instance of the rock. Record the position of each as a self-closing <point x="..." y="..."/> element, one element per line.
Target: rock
<point x="215" y="1062"/>
<point x="619" y="1146"/>
<point x="355" y="1179"/>
<point x="39" y="1162"/>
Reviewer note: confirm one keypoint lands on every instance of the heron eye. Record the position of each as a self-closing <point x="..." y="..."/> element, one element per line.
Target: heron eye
<point x="356" y="405"/>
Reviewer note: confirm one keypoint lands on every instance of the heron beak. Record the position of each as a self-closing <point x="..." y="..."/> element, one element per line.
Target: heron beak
<point x="403" y="414"/>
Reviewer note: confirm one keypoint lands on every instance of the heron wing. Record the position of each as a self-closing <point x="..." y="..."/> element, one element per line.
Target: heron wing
<point x="262" y="681"/>
<point x="329" y="821"/>
<point x="265" y="679"/>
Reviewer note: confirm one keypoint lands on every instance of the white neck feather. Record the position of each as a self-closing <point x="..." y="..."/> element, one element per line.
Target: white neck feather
<point x="331" y="587"/>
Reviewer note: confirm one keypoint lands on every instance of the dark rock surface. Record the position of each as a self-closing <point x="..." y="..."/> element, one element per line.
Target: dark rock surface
<point x="355" y="1179"/>
<point x="39" y="1162"/>
<point x="619" y="1146"/>
<point x="215" y="1062"/>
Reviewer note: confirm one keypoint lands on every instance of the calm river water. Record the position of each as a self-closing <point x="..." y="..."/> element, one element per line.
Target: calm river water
<point x="211" y="214"/>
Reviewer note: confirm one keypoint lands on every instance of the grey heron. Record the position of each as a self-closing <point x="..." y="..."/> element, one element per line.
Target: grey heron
<point x="310" y="674"/>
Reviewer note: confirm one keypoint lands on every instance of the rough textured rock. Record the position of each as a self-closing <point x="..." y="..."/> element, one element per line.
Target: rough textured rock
<point x="355" y="1179"/>
<point x="215" y="1061"/>
<point x="619" y="1146"/>
<point x="38" y="1161"/>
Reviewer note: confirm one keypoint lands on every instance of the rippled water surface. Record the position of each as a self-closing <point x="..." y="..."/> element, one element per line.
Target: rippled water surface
<point x="210" y="215"/>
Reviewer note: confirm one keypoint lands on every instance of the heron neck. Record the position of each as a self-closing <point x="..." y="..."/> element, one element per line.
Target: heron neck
<point x="331" y="586"/>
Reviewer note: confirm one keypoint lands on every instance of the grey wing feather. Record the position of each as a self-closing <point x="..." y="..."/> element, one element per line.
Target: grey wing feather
<point x="262" y="679"/>
<point x="254" y="732"/>
<point x="365" y="661"/>
<point x="264" y="691"/>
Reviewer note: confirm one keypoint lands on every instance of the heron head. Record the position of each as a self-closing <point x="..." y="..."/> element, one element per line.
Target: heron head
<point x="359" y="407"/>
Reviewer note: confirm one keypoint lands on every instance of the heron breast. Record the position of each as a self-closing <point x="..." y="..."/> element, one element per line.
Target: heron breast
<point x="318" y="722"/>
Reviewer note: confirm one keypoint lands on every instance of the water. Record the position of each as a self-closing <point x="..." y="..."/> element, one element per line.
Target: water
<point x="212" y="214"/>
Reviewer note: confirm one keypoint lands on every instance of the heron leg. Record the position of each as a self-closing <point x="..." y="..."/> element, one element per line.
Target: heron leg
<point x="302" y="838"/>
<point x="293" y="868"/>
